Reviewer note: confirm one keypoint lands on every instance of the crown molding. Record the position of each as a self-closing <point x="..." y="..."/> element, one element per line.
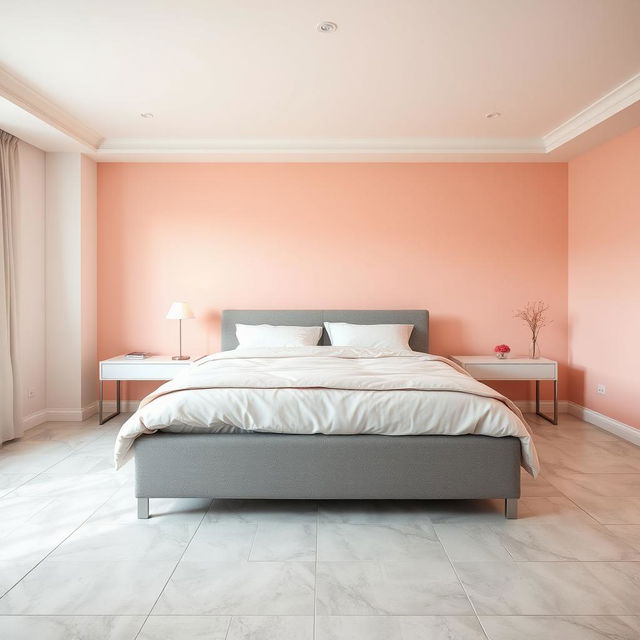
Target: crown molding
<point x="605" y="107"/>
<point x="319" y="145"/>
<point x="313" y="150"/>
<point x="31" y="101"/>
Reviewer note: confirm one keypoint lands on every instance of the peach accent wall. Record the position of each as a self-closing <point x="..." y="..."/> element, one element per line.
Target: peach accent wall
<point x="469" y="242"/>
<point x="604" y="278"/>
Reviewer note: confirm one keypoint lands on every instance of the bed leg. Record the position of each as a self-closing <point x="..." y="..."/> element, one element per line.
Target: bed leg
<point x="143" y="508"/>
<point x="511" y="508"/>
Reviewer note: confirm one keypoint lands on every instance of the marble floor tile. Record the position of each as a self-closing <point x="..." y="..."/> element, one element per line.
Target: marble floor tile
<point x="46" y="484"/>
<point x="236" y="588"/>
<point x="551" y="542"/>
<point x="15" y="511"/>
<point x="31" y="543"/>
<point x="561" y="627"/>
<point x="398" y="628"/>
<point x="11" y="481"/>
<point x="377" y="542"/>
<point x="284" y="541"/>
<point x="73" y="437"/>
<point x="271" y="628"/>
<point x="11" y="573"/>
<point x="472" y="543"/>
<point x="630" y="533"/>
<point x="608" y="510"/>
<point x="373" y="511"/>
<point x="27" y="456"/>
<point x="618" y="485"/>
<point x="590" y="458"/>
<point x="552" y="588"/>
<point x="88" y="588"/>
<point x="221" y="542"/>
<point x="44" y="530"/>
<point x="557" y="510"/>
<point x="398" y="588"/>
<point x="185" y="628"/>
<point x="538" y="488"/>
<point x="254" y="511"/>
<point x="100" y="542"/>
<point x="83" y="463"/>
<point x="70" y="627"/>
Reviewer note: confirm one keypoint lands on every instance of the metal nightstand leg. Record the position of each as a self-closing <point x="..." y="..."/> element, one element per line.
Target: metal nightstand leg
<point x="553" y="420"/>
<point x="102" y="420"/>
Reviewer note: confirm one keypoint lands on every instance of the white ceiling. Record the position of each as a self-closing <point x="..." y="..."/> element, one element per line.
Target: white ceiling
<point x="249" y="78"/>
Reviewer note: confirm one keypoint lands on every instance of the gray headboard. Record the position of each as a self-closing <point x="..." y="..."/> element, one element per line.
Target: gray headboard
<point x="419" y="340"/>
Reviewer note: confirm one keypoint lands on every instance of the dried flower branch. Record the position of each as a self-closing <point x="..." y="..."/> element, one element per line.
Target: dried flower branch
<point x="534" y="315"/>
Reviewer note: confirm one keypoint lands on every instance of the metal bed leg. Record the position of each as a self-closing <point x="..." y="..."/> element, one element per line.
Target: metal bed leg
<point x="143" y="508"/>
<point x="553" y="420"/>
<point x="511" y="508"/>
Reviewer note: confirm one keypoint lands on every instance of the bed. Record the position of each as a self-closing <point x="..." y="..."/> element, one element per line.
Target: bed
<point x="320" y="466"/>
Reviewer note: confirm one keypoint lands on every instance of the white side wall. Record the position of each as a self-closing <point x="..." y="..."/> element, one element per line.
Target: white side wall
<point x="89" y="281"/>
<point x="30" y="280"/>
<point x="70" y="286"/>
<point x="63" y="283"/>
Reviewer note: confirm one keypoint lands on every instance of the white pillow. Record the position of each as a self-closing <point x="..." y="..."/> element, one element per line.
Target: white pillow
<point x="267" y="335"/>
<point x="374" y="336"/>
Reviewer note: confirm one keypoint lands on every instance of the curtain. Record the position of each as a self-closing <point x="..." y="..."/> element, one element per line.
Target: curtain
<point x="10" y="419"/>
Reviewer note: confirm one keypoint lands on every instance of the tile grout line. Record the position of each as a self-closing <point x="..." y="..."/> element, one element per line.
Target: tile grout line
<point x="148" y="615"/>
<point x="460" y="582"/>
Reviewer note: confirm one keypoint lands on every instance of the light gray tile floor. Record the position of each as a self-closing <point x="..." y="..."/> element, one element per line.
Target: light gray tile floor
<point x="75" y="562"/>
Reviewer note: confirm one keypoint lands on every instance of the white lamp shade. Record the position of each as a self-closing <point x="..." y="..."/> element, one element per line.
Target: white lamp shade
<point x="180" y="311"/>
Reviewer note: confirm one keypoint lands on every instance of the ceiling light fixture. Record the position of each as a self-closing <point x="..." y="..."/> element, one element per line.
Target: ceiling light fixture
<point x="327" y="27"/>
<point x="146" y="115"/>
<point x="493" y="114"/>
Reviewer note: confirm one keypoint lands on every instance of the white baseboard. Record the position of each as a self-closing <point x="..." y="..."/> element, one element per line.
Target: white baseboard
<point x="620" y="429"/>
<point x="71" y="415"/>
<point x="529" y="406"/>
<point x="34" y="419"/>
<point x="126" y="406"/>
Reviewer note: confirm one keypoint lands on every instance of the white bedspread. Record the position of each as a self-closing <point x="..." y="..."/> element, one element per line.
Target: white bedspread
<point x="331" y="390"/>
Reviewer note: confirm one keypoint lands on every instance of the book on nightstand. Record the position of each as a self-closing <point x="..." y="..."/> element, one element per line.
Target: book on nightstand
<point x="136" y="355"/>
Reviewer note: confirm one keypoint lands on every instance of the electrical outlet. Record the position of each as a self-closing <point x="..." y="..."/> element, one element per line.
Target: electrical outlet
<point x="601" y="389"/>
<point x="32" y="393"/>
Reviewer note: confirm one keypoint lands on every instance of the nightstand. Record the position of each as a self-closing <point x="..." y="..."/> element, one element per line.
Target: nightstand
<point x="492" y="368"/>
<point x="151" y="368"/>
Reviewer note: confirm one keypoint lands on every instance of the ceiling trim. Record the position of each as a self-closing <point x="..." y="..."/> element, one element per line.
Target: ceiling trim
<point x="608" y="105"/>
<point x="294" y="147"/>
<point x="31" y="101"/>
<point x="327" y="150"/>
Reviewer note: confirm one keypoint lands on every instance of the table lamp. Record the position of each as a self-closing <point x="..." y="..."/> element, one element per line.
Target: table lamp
<point x="180" y="311"/>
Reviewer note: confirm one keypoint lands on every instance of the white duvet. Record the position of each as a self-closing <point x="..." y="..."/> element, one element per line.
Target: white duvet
<point x="331" y="390"/>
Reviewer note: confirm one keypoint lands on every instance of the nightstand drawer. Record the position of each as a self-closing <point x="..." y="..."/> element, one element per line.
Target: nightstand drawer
<point x="141" y="370"/>
<point x="512" y="371"/>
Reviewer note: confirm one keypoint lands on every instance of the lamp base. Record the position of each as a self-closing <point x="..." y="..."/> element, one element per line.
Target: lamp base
<point x="180" y="357"/>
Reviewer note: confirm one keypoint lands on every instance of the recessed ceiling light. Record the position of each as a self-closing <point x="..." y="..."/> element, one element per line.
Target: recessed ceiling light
<point x="146" y="115"/>
<point x="493" y="114"/>
<point x="327" y="27"/>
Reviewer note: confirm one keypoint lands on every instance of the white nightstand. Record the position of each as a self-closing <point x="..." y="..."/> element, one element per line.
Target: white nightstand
<point x="151" y="368"/>
<point x="492" y="368"/>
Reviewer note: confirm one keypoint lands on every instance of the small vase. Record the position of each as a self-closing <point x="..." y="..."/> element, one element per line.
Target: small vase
<point x="534" y="350"/>
<point x="500" y="355"/>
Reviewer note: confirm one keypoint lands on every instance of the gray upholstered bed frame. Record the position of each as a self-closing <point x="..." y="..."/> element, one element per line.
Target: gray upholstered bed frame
<point x="262" y="465"/>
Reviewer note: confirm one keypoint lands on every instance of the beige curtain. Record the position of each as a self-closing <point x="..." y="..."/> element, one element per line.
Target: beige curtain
<point x="10" y="421"/>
